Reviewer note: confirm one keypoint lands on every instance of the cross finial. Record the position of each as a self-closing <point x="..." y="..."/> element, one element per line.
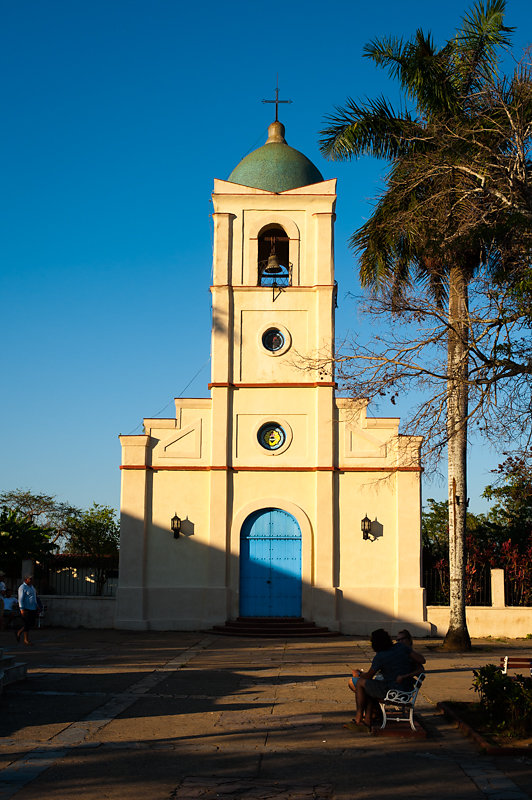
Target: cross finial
<point x="277" y="101"/>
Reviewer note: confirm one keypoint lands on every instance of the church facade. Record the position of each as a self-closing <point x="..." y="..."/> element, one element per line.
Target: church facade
<point x="271" y="479"/>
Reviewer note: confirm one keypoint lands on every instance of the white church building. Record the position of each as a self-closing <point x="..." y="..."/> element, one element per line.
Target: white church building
<point x="273" y="497"/>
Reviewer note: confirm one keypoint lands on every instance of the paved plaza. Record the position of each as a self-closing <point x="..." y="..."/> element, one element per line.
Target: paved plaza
<point x="109" y="715"/>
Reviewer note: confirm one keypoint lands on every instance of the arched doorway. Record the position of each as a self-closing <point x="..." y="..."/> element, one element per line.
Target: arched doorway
<point x="270" y="565"/>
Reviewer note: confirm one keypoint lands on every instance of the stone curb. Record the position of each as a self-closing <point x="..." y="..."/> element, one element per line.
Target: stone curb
<point x="489" y="748"/>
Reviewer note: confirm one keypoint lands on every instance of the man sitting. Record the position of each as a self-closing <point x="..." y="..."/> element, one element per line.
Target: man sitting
<point x="11" y="609"/>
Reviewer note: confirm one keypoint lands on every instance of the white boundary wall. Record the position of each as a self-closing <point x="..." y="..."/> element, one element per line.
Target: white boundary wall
<point x="513" y="622"/>
<point x="72" y="611"/>
<point x="496" y="620"/>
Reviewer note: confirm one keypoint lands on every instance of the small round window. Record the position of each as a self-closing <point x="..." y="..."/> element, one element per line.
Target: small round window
<point x="271" y="436"/>
<point x="273" y="340"/>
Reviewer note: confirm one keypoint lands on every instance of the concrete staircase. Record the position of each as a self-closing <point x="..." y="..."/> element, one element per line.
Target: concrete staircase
<point x="11" y="670"/>
<point x="272" y="627"/>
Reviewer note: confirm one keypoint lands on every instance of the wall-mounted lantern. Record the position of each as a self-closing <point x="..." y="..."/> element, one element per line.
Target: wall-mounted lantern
<point x="175" y="525"/>
<point x="366" y="527"/>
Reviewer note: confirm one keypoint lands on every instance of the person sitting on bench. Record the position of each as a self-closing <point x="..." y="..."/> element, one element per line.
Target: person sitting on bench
<point x="10" y="608"/>
<point x="417" y="660"/>
<point x="393" y="662"/>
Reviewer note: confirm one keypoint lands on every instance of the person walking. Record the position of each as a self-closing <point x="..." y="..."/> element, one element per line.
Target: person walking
<point x="29" y="607"/>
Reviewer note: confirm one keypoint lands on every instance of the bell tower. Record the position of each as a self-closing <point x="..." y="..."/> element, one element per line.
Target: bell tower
<point x="273" y="261"/>
<point x="273" y="297"/>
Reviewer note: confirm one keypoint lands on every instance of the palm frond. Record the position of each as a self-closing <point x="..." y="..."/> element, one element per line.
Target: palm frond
<point x="387" y="52"/>
<point x="428" y="77"/>
<point x="479" y="40"/>
<point x="433" y="273"/>
<point x="386" y="251"/>
<point x="420" y="68"/>
<point x="373" y="128"/>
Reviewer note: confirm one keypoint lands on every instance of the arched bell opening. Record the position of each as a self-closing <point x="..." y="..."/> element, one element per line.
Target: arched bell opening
<point x="274" y="268"/>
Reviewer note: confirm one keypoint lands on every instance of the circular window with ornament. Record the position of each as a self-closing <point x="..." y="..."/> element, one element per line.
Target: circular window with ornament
<point x="271" y="436"/>
<point x="275" y="339"/>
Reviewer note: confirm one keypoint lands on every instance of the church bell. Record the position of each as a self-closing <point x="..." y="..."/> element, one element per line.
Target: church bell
<point x="273" y="267"/>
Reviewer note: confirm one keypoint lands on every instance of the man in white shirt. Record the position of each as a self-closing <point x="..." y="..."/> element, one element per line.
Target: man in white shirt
<point x="29" y="607"/>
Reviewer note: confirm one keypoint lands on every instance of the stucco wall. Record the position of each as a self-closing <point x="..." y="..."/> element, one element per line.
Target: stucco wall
<point x="79" y="612"/>
<point x="514" y="622"/>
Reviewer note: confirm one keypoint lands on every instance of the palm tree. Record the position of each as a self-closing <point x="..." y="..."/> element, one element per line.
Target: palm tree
<point x="421" y="231"/>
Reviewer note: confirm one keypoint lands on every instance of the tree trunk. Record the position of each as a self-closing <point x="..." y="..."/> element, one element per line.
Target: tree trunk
<point x="457" y="637"/>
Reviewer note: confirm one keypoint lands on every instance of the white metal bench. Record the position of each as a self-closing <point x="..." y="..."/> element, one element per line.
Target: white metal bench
<point x="40" y="616"/>
<point x="515" y="663"/>
<point x="401" y="704"/>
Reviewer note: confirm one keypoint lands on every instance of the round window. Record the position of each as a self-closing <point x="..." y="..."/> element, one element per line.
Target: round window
<point x="271" y="436"/>
<point x="273" y="340"/>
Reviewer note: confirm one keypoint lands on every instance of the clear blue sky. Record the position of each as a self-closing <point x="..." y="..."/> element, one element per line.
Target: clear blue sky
<point x="111" y="107"/>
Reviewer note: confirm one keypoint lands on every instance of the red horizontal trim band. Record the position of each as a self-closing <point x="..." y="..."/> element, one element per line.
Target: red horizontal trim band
<point x="165" y="468"/>
<point x="247" y="286"/>
<point x="379" y="469"/>
<point x="330" y="384"/>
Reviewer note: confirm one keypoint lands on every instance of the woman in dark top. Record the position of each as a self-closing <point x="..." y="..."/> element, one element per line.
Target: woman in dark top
<point x="394" y="662"/>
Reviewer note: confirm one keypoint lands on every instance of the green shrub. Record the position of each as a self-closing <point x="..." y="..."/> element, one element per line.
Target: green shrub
<point x="506" y="701"/>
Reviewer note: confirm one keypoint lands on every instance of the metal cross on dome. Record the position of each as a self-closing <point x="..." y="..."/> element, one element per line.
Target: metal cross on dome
<point x="277" y="101"/>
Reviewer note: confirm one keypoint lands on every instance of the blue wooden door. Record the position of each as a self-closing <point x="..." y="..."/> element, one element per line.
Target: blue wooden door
<point x="270" y="565"/>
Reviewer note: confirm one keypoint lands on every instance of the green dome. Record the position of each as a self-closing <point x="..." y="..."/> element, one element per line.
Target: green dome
<point x="275" y="167"/>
